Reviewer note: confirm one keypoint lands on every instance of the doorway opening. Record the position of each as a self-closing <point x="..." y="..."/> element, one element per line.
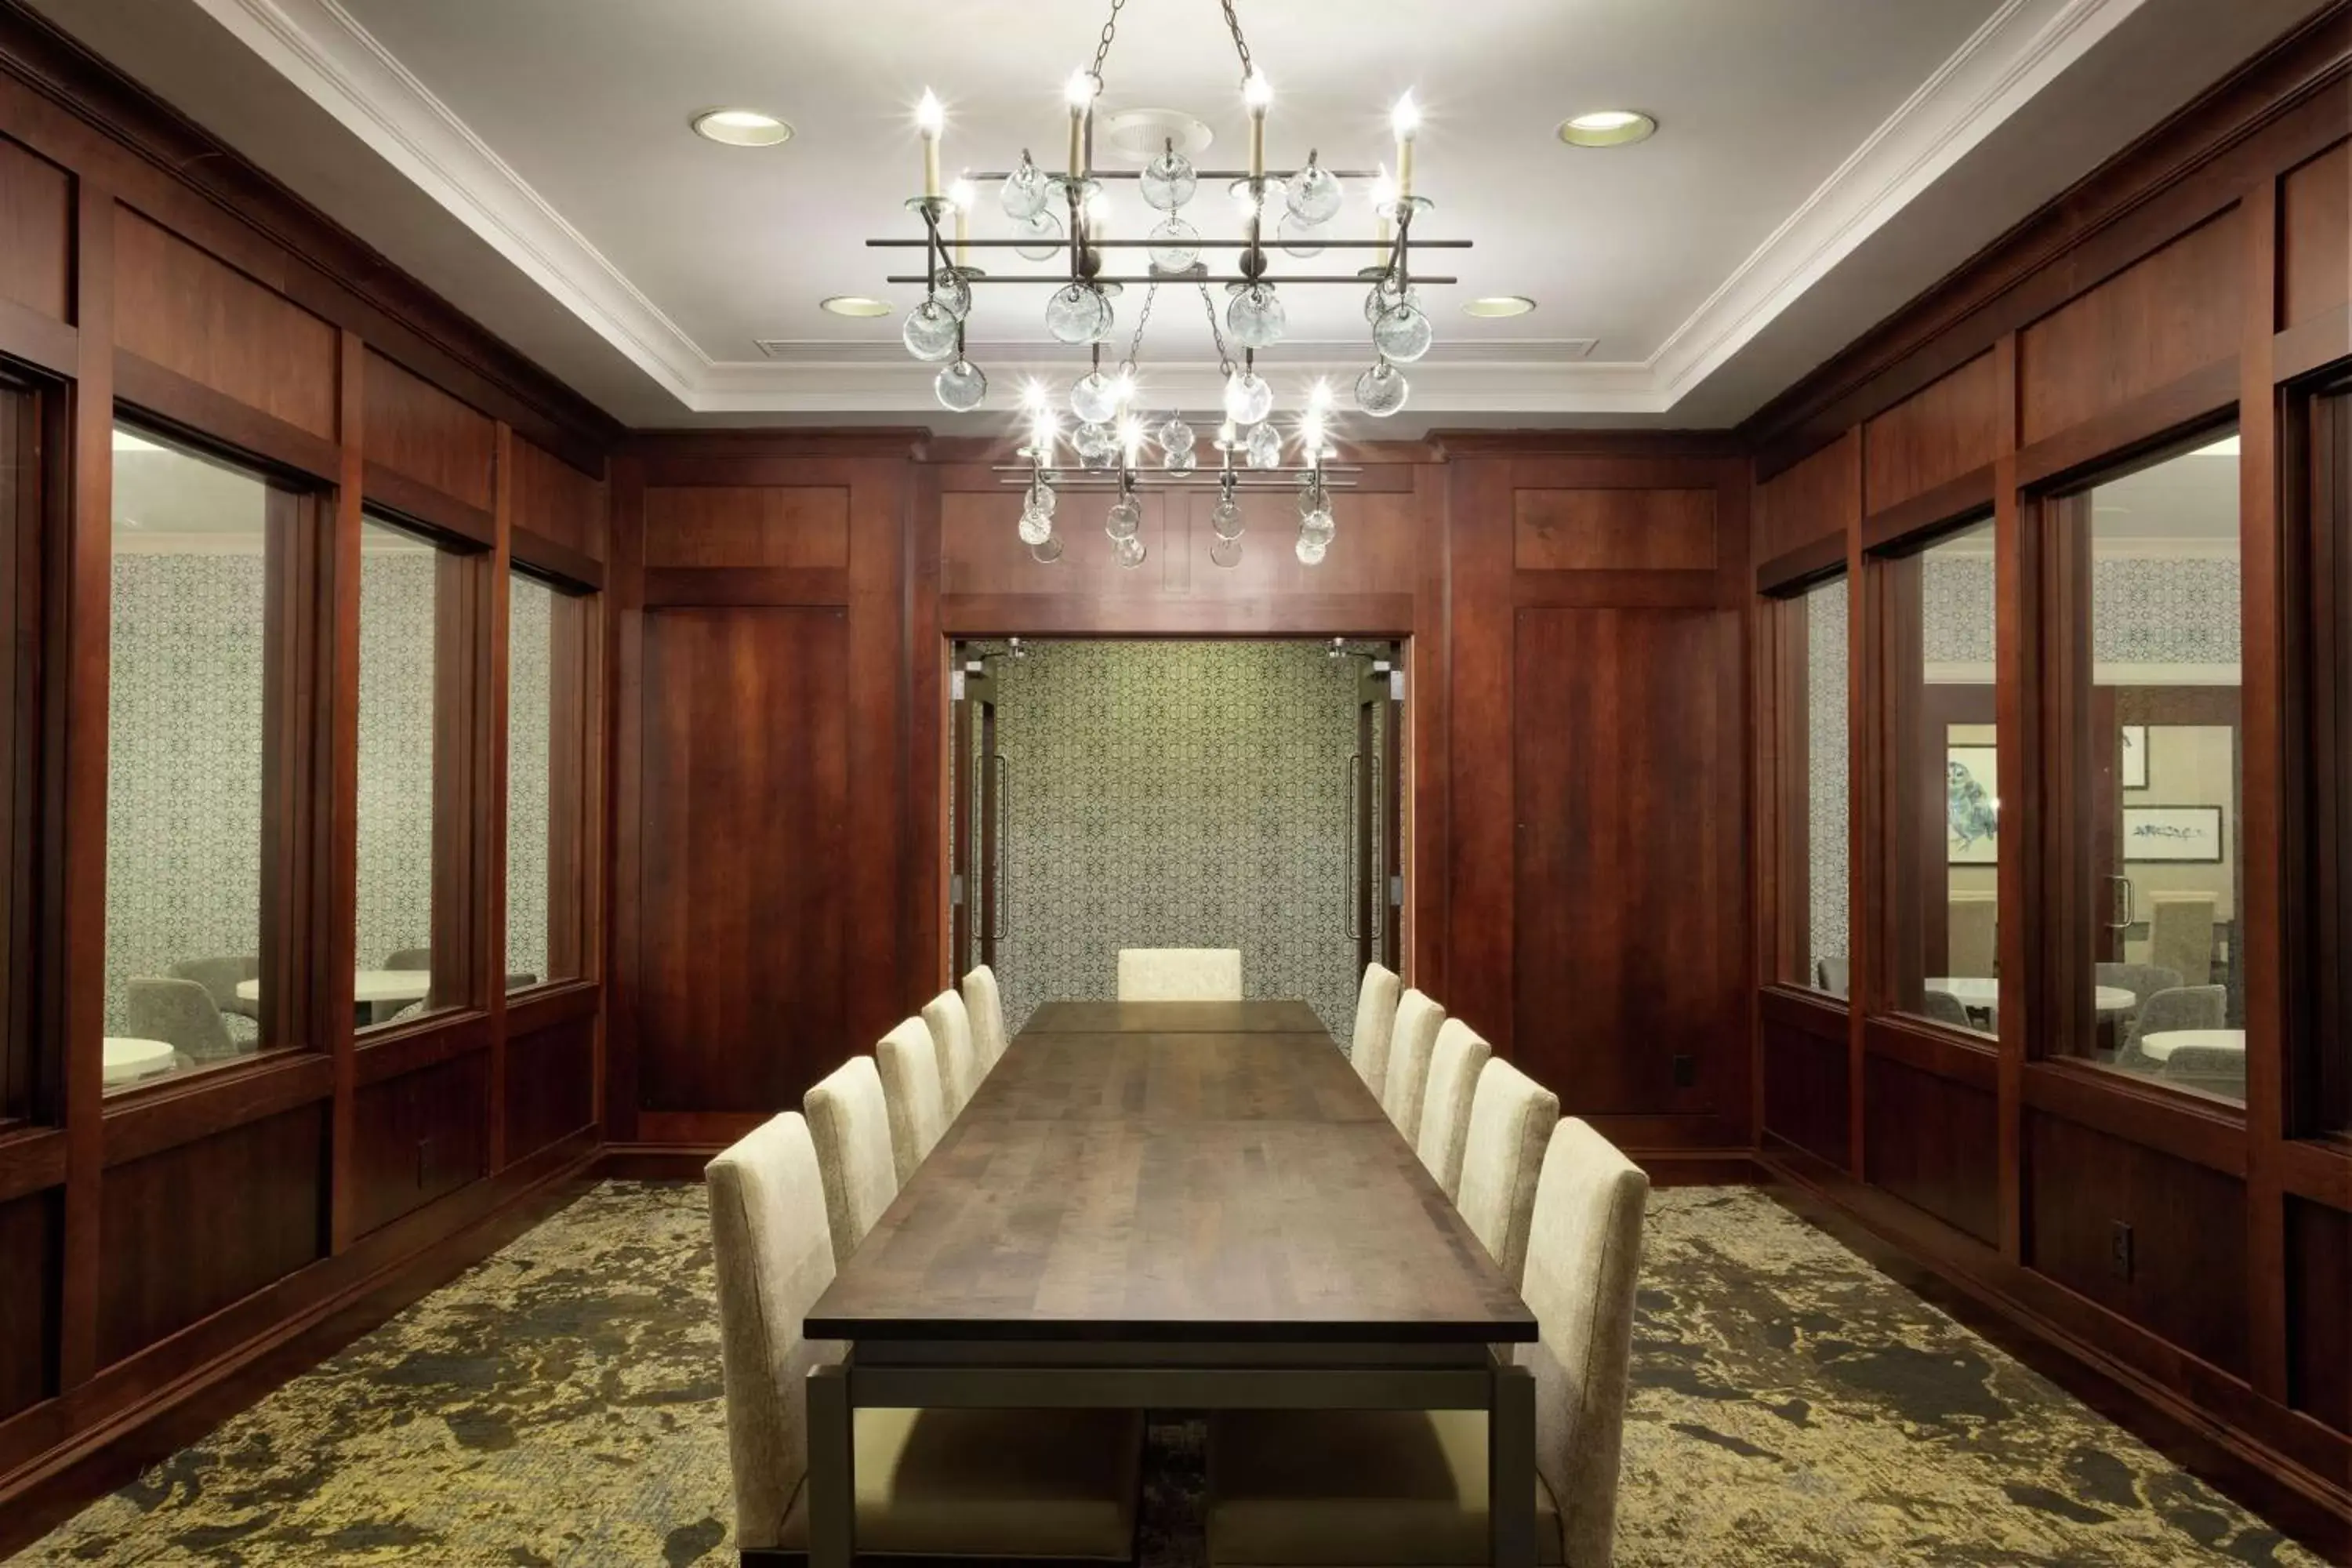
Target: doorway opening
<point x="1197" y="793"/>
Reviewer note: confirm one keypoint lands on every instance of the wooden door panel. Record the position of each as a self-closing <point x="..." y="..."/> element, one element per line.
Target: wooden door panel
<point x="746" y="788"/>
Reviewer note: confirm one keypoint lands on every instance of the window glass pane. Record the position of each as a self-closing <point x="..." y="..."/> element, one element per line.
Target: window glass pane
<point x="1944" y="794"/>
<point x="21" y="1090"/>
<point x="2324" y="1079"/>
<point x="531" y="685"/>
<point x="399" y="597"/>
<point x="1827" y="886"/>
<point x="2164" y="775"/>
<point x="189" y="649"/>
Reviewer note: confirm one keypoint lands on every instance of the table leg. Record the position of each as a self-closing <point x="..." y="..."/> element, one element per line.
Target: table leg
<point x="1511" y="1467"/>
<point x="832" y="1479"/>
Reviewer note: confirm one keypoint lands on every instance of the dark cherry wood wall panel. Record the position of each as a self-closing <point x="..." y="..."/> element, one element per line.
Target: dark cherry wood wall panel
<point x="1933" y="437"/>
<point x="415" y="429"/>
<point x="195" y="315"/>
<point x="1935" y="1143"/>
<point x="1806" y="1085"/>
<point x="422" y="1135"/>
<point x="2319" y="1297"/>
<point x="2315" y="237"/>
<point x="2184" y="1273"/>
<point x="187" y="1231"/>
<point x="557" y="501"/>
<point x="743" y="929"/>
<point x="550" y="1085"/>
<point x="1614" y="530"/>
<point x="2177" y="312"/>
<point x="37" y="205"/>
<point x="29" y="1236"/>
<point x="745" y="525"/>
<point x="1818" y="497"/>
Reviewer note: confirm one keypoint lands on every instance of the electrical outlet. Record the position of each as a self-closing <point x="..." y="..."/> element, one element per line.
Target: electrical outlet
<point x="1686" y="1072"/>
<point x="424" y="1162"/>
<point x="2119" y="1249"/>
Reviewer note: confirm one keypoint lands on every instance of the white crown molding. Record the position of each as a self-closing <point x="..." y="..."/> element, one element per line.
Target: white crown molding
<point x="324" y="51"/>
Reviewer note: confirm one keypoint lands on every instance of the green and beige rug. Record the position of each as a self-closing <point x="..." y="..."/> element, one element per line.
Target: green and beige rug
<point x="560" y="1405"/>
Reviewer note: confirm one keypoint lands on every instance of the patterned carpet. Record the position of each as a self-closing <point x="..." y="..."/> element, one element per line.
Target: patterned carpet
<point x="560" y="1405"/>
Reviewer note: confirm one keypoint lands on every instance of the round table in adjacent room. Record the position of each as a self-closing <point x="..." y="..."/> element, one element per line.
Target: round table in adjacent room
<point x="129" y="1058"/>
<point x="368" y="986"/>
<point x="1983" y="992"/>
<point x="2160" y="1046"/>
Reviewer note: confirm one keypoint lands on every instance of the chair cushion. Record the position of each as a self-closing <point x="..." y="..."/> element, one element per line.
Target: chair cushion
<point x="1390" y="1487"/>
<point x="992" y="1483"/>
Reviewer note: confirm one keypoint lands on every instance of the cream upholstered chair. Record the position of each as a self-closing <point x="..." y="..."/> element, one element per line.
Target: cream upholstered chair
<point x="1511" y="1119"/>
<point x="909" y="1065"/>
<point x="1409" y="1487"/>
<point x="1418" y="1020"/>
<point x="2180" y="935"/>
<point x="1455" y="1063"/>
<point x="950" y="1028"/>
<point x="1180" y="974"/>
<point x="850" y="1121"/>
<point x="1971" y="944"/>
<point x="984" y="1003"/>
<point x="180" y="1012"/>
<point x="1007" y="1484"/>
<point x="1376" y="1010"/>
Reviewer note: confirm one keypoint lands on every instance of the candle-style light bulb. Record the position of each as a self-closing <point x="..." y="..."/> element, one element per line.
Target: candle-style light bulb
<point x="1079" y="90"/>
<point x="930" y="119"/>
<point x="1384" y="197"/>
<point x="1256" y="94"/>
<point x="1405" y="120"/>
<point x="961" y="195"/>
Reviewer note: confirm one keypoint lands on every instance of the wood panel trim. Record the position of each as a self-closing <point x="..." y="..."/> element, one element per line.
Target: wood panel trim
<point x="1931" y="1050"/>
<point x="1793" y="571"/>
<point x="31" y="1161"/>
<point x="179" y="1110"/>
<point x="1806" y="1011"/>
<point x="190" y="408"/>
<point x="2202" y="1132"/>
<point x="1952" y="502"/>
<point x="2205" y="396"/>
<point x="549" y="1006"/>
<point x="40" y="340"/>
<point x="2311" y="346"/>
<point x="773" y="587"/>
<point x="2318" y="1172"/>
<point x="575" y="568"/>
<point x="425" y="1042"/>
<point x="1056" y="614"/>
<point x="1619" y="589"/>
<point x="393" y="493"/>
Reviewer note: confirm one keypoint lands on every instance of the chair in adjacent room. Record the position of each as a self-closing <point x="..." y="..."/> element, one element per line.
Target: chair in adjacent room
<point x="181" y="1012"/>
<point x="950" y="1027"/>
<point x="220" y="977"/>
<point x="909" y="1064"/>
<point x="2212" y="1069"/>
<point x="1830" y="975"/>
<point x="1418" y="1019"/>
<point x="1016" y="1485"/>
<point x="409" y="958"/>
<point x="1180" y="974"/>
<point x="2180" y="935"/>
<point x="1942" y="1007"/>
<point x="1399" y="1486"/>
<point x="1511" y="1119"/>
<point x="1376" y="1009"/>
<point x="850" y="1121"/>
<point x="984" y="1002"/>
<point x="1972" y="940"/>
<point x="2183" y="1008"/>
<point x="2143" y="980"/>
<point x="1455" y="1063"/>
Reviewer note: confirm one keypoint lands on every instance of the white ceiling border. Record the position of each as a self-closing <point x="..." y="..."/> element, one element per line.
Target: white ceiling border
<point x="324" y="52"/>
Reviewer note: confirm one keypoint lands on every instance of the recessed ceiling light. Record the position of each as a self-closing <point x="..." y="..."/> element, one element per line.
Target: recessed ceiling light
<point x="1608" y="128"/>
<point x="741" y="128"/>
<point x="1500" y="305"/>
<point x="854" y="305"/>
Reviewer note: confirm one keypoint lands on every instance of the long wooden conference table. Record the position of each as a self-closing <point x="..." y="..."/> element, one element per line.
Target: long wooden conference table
<point x="1172" y="1206"/>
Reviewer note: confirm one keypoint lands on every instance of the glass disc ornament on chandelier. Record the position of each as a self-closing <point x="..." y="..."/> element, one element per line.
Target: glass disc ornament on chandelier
<point x="1380" y="391"/>
<point x="961" y="386"/>
<point x="1403" y="334"/>
<point x="929" y="332"/>
<point x="1129" y="551"/>
<point x="1046" y="551"/>
<point x="1167" y="181"/>
<point x="1042" y="231"/>
<point x="1077" y="313"/>
<point x="1314" y="194"/>
<point x="1125" y="518"/>
<point x="1266" y="445"/>
<point x="1255" y="316"/>
<point x="953" y="292"/>
<point x="1226" y="518"/>
<point x="1299" y="237"/>
<point x="1225" y="553"/>
<point x="1022" y="195"/>
<point x="1175" y="245"/>
<point x="1384" y="295"/>
<point x="1095" y="398"/>
<point x="1248" y="398"/>
<point x="1095" y="444"/>
<point x="1318" y="525"/>
<point x="1310" y="552"/>
<point x="1035" y="527"/>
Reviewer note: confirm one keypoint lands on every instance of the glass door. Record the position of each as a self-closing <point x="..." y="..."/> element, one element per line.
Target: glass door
<point x="977" y="904"/>
<point x="1375" y="880"/>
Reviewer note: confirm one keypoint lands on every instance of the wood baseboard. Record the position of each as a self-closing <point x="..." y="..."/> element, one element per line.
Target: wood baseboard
<point x="1963" y="1278"/>
<point x="653" y="1161"/>
<point x="1698" y="1167"/>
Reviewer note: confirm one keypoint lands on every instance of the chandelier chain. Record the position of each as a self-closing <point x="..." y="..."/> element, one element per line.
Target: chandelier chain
<point x="1241" y="45"/>
<point x="1110" y="31"/>
<point x="1142" y="319"/>
<point x="1216" y="334"/>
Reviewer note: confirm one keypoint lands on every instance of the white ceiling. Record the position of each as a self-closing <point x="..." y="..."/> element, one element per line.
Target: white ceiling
<point x="1820" y="161"/>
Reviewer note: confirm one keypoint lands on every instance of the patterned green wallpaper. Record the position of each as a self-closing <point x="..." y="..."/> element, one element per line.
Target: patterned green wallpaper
<point x="1177" y="795"/>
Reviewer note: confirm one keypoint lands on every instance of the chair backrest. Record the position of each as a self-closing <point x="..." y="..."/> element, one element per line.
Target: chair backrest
<point x="950" y="1028"/>
<point x="2183" y="1008"/>
<point x="218" y="977"/>
<point x="1972" y="941"/>
<point x="181" y="1012"/>
<point x="409" y="958"/>
<point x="2143" y="980"/>
<point x="1376" y="1008"/>
<point x="1584" y="1261"/>
<point x="1830" y="975"/>
<point x="1455" y="1063"/>
<point x="850" y="1121"/>
<point x="773" y="1260"/>
<point x="2180" y="935"/>
<point x="2213" y="1069"/>
<point x="1944" y="1007"/>
<point x="1511" y="1119"/>
<point x="1418" y="1019"/>
<point x="1180" y="974"/>
<point x="984" y="1002"/>
<point x="909" y="1065"/>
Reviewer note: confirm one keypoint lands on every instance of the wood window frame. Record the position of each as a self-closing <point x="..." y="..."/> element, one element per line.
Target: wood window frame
<point x="1784" y="853"/>
<point x="33" y="427"/>
<point x="2317" y="1020"/>
<point x="574" y="804"/>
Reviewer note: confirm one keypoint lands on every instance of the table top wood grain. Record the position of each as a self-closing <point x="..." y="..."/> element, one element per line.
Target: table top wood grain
<point x="1219" y="1186"/>
<point x="1280" y="1018"/>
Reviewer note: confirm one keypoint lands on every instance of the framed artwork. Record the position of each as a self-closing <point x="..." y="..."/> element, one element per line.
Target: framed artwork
<point x="2175" y="832"/>
<point x="1972" y="807"/>
<point x="2135" y="757"/>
